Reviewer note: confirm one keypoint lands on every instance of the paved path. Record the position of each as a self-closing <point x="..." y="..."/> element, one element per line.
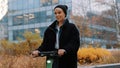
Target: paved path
<point x="115" y="65"/>
<point x="84" y="66"/>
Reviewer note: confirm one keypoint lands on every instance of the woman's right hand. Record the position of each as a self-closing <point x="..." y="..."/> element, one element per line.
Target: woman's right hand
<point x="35" y="53"/>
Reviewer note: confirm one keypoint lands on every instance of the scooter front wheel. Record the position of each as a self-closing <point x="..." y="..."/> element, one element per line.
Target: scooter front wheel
<point x="49" y="63"/>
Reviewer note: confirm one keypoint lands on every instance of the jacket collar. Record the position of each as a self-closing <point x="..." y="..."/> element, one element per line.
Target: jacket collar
<point x="53" y="25"/>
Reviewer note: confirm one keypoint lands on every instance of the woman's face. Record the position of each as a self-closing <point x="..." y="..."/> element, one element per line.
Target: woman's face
<point x="59" y="14"/>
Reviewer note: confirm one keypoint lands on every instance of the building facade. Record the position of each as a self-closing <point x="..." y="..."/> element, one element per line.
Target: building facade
<point x="100" y="16"/>
<point x="29" y="15"/>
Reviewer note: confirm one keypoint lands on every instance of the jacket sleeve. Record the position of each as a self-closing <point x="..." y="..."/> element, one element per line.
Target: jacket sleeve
<point x="73" y="45"/>
<point x="43" y="45"/>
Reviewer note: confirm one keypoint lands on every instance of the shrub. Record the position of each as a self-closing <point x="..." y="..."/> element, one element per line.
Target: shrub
<point x="21" y="61"/>
<point x="91" y="55"/>
<point x="115" y="58"/>
<point x="16" y="55"/>
<point x="31" y="42"/>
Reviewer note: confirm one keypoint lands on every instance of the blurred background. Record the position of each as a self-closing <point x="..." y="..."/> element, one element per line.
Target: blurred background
<point x="97" y="20"/>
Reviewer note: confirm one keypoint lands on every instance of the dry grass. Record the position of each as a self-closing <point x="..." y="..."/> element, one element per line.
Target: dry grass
<point x="16" y="55"/>
<point x="24" y="61"/>
<point x="96" y="55"/>
<point x="21" y="61"/>
<point x="92" y="55"/>
<point x="115" y="58"/>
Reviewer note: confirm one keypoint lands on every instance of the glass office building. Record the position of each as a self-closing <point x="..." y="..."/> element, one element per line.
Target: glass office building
<point x="30" y="15"/>
<point x="38" y="14"/>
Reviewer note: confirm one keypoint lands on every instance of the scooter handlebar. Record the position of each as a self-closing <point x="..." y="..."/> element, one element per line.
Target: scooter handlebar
<point x="48" y="53"/>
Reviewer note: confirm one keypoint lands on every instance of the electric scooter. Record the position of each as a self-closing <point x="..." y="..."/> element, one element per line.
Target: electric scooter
<point x="50" y="57"/>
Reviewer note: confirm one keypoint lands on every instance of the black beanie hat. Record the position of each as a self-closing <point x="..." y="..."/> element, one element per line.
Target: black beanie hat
<point x="63" y="7"/>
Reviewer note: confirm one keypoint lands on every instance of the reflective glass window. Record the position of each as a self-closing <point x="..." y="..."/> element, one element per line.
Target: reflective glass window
<point x="18" y="20"/>
<point x="48" y="2"/>
<point x="19" y="33"/>
<point x="15" y="5"/>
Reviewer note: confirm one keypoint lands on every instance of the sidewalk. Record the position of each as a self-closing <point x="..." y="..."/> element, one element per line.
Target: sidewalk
<point x="85" y="66"/>
<point x="116" y="65"/>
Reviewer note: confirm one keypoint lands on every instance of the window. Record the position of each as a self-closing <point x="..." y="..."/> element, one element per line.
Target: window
<point x="54" y="1"/>
<point x="18" y="20"/>
<point x="46" y="2"/>
<point x="18" y="34"/>
<point x="49" y="16"/>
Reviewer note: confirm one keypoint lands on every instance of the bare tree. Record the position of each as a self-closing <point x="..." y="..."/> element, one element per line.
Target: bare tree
<point x="111" y="17"/>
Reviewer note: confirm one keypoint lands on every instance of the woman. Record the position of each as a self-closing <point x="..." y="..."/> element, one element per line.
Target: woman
<point x="62" y="36"/>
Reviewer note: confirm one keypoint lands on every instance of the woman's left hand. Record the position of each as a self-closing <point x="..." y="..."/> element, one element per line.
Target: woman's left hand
<point x="61" y="52"/>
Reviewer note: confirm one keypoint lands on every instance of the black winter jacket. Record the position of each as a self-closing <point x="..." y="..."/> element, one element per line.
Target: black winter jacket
<point x="68" y="40"/>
